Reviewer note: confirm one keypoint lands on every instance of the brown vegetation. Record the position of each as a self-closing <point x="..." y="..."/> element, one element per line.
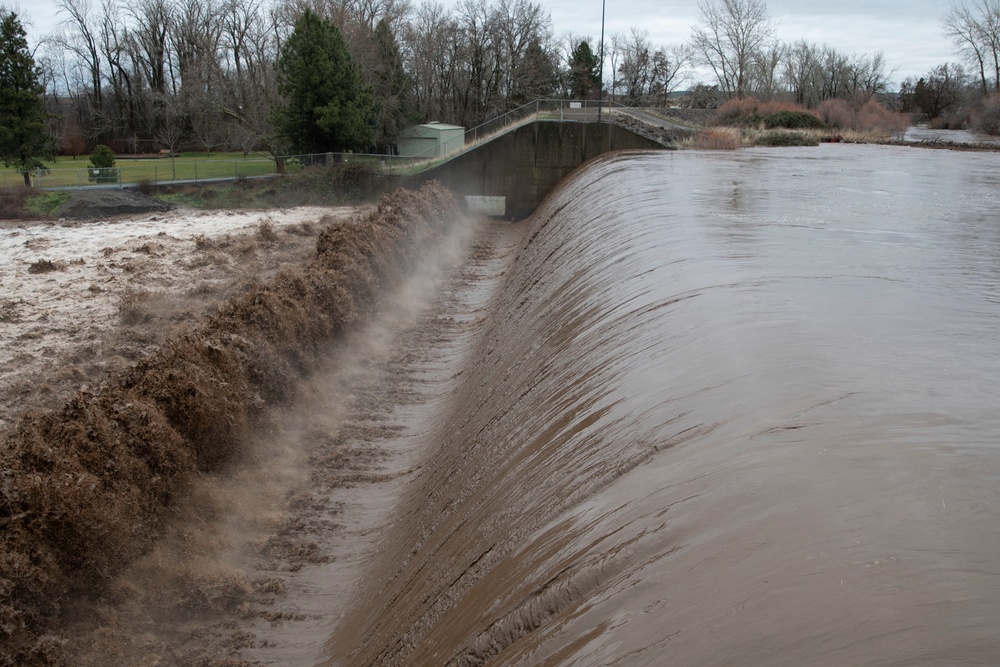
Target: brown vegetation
<point x="986" y="118"/>
<point x="871" y="117"/>
<point x="749" y="122"/>
<point x="84" y="488"/>
<point x="715" y="139"/>
<point x="748" y="111"/>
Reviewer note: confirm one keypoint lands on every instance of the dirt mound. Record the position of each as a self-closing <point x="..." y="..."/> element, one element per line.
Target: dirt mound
<point x="89" y="204"/>
<point x="83" y="489"/>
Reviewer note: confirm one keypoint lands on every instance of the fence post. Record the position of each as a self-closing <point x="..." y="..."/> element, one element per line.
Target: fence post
<point x="38" y="178"/>
<point x="195" y="172"/>
<point x="119" y="174"/>
<point x="156" y="180"/>
<point x="236" y="166"/>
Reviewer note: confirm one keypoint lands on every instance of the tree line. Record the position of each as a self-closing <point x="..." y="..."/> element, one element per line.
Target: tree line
<point x="965" y="93"/>
<point x="208" y="75"/>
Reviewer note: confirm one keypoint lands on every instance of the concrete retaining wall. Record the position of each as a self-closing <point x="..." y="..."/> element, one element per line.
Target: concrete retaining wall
<point x="523" y="165"/>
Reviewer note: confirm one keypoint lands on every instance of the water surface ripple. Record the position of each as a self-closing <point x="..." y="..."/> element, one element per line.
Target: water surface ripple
<point x="729" y="408"/>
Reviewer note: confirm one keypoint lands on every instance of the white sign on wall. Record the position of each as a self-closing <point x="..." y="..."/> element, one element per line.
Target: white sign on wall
<point x="485" y="205"/>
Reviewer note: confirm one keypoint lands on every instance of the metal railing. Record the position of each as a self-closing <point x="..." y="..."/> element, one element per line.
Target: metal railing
<point x="541" y="109"/>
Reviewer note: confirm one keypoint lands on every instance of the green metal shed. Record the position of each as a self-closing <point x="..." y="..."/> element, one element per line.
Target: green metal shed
<point x="431" y="140"/>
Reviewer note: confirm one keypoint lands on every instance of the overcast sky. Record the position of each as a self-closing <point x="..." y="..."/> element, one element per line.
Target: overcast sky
<point x="907" y="31"/>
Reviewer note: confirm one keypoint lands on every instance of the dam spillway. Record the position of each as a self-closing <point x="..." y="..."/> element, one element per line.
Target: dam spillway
<point x="723" y="408"/>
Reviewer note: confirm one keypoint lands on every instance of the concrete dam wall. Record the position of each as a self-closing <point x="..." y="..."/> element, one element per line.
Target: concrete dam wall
<point x="524" y="165"/>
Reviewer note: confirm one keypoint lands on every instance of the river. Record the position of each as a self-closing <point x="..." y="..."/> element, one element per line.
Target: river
<point x="724" y="408"/>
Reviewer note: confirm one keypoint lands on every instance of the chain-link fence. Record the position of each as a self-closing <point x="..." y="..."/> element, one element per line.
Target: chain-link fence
<point x="369" y="161"/>
<point x="130" y="172"/>
<point x="157" y="171"/>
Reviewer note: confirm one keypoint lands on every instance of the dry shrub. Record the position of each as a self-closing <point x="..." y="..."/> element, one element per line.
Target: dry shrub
<point x="868" y="117"/>
<point x="736" y="110"/>
<point x="873" y="117"/>
<point x="716" y="139"/>
<point x="145" y="186"/>
<point x="83" y="489"/>
<point x="837" y="113"/>
<point x="948" y="122"/>
<point x="749" y="112"/>
<point x="986" y="118"/>
<point x="782" y="106"/>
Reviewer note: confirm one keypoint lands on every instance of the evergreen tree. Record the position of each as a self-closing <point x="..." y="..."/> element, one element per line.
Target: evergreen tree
<point x="24" y="137"/>
<point x="324" y="105"/>
<point x="393" y="86"/>
<point x="536" y="75"/>
<point x="584" y="72"/>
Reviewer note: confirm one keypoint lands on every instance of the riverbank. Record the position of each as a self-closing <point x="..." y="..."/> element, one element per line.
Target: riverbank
<point x="89" y="487"/>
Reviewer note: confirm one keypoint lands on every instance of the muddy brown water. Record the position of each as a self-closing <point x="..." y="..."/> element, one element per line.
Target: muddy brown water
<point x="722" y="408"/>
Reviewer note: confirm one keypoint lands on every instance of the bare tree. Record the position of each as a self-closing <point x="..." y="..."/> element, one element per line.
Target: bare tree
<point x="615" y="55"/>
<point x="81" y="39"/>
<point x="802" y="72"/>
<point x="150" y="20"/>
<point x="170" y="128"/>
<point x="521" y="25"/>
<point x="728" y="39"/>
<point x="636" y="68"/>
<point x="765" y="77"/>
<point x="867" y="76"/>
<point x="479" y="72"/>
<point x="833" y="74"/>
<point x="427" y="51"/>
<point x="975" y="31"/>
<point x="670" y="69"/>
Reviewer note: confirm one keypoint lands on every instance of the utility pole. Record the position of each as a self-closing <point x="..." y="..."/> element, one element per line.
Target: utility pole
<point x="600" y="89"/>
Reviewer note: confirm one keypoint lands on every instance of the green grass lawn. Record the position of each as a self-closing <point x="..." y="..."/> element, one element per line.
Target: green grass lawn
<point x="69" y="172"/>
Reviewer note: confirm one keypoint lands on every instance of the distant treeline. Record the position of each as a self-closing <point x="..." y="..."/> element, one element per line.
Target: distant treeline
<point x="200" y="74"/>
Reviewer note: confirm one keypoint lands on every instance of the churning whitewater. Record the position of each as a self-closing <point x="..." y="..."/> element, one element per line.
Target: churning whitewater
<point x="725" y="408"/>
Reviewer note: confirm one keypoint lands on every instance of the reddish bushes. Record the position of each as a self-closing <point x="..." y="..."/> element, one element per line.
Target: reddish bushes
<point x="869" y="117"/>
<point x="842" y="114"/>
<point x="749" y="112"/>
<point x="83" y="489"/>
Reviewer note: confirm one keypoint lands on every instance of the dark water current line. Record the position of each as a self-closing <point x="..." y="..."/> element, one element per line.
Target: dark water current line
<point x="733" y="408"/>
